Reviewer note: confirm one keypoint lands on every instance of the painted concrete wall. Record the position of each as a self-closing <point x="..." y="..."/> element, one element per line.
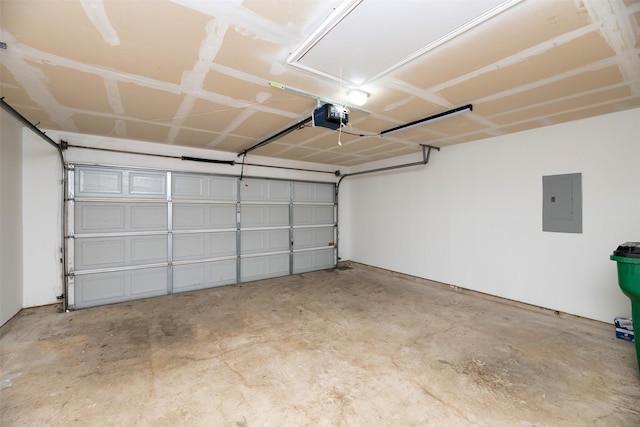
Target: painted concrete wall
<point x="10" y="217"/>
<point x="473" y="217"/>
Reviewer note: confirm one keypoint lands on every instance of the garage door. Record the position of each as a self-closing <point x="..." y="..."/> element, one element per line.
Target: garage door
<point x="313" y="227"/>
<point x="141" y="233"/>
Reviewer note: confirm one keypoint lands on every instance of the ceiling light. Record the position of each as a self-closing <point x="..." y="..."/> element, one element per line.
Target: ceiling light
<point x="357" y="96"/>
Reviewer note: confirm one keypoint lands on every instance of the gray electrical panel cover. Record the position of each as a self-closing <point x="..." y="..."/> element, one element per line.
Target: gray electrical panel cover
<point x="562" y="203"/>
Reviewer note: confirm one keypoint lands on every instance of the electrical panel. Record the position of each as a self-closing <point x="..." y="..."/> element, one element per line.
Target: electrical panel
<point x="562" y="203"/>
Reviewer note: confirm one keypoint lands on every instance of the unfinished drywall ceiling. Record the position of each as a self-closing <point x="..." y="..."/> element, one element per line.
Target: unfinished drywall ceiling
<point x="198" y="74"/>
<point x="340" y="48"/>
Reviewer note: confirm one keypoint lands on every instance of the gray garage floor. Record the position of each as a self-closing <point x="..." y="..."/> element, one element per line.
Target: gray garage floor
<point x="351" y="347"/>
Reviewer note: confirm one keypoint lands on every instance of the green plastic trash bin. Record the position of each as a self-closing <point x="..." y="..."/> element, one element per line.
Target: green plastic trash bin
<point x="628" y="258"/>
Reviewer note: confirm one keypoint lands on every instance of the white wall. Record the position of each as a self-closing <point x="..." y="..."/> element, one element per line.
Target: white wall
<point x="42" y="216"/>
<point x="10" y="217"/>
<point x="473" y="216"/>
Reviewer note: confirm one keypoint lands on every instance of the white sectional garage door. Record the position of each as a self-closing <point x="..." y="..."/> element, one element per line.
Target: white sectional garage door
<point x="141" y="233"/>
<point x="313" y="227"/>
<point x="204" y="231"/>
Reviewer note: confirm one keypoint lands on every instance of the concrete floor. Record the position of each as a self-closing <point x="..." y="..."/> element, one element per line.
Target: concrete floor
<point x="348" y="347"/>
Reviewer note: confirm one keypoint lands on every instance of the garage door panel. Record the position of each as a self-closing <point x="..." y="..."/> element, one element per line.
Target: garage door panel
<point x="124" y="251"/>
<point x="221" y="244"/>
<point x="98" y="217"/>
<point x="264" y="267"/>
<point x="313" y="260"/>
<point x="305" y="238"/>
<point x="203" y="245"/>
<point x="188" y="217"/>
<point x="94" y="289"/>
<point x="107" y="288"/>
<point x="99" y="253"/>
<point x="146" y="216"/>
<point x="147" y="184"/>
<point x="194" y="216"/>
<point x="190" y="277"/>
<point x="313" y="214"/>
<point x="222" y="216"/>
<point x="105" y="217"/>
<point x="148" y="282"/>
<point x="112" y="183"/>
<point x="259" y="241"/>
<point x="148" y="250"/>
<point x="265" y="190"/>
<point x="100" y="182"/>
<point x="221" y="188"/>
<point x="187" y="186"/>
<point x="188" y="246"/>
<point x="264" y="215"/>
<point x="313" y="192"/>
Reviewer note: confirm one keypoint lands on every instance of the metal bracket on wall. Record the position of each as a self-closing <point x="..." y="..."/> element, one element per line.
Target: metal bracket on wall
<point x="426" y="153"/>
